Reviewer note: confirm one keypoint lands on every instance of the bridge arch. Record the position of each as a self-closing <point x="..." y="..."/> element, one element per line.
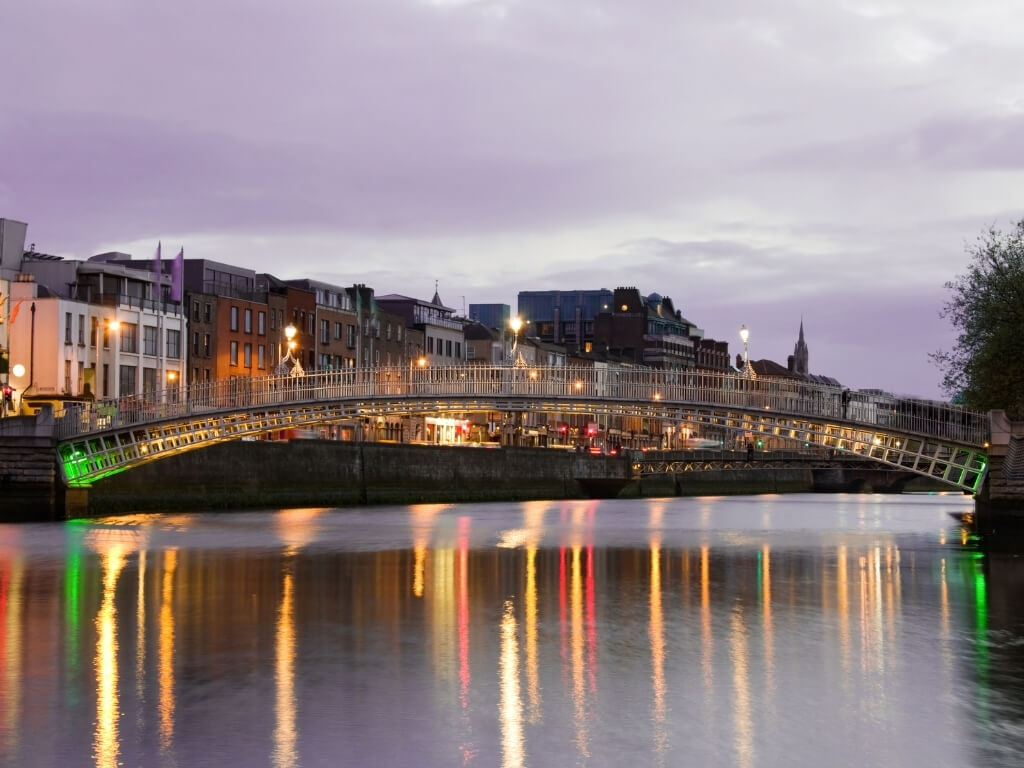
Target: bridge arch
<point x="939" y="440"/>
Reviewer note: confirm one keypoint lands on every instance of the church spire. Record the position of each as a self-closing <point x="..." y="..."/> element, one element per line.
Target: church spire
<point x="800" y="352"/>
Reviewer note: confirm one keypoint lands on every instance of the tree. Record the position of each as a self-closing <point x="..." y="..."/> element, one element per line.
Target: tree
<point x="985" y="368"/>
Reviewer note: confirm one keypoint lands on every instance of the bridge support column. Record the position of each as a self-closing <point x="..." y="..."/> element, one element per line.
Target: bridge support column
<point x="1000" y="504"/>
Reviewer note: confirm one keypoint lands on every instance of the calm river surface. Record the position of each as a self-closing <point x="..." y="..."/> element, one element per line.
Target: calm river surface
<point x="805" y="630"/>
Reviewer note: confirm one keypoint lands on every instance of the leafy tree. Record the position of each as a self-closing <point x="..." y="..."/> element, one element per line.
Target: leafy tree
<point x="985" y="368"/>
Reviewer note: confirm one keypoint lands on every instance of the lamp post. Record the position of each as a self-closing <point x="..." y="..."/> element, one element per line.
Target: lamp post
<point x="745" y="336"/>
<point x="172" y="385"/>
<point x="112" y="327"/>
<point x="295" y="367"/>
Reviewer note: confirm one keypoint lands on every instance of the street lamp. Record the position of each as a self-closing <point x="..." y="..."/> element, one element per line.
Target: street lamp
<point x="515" y="324"/>
<point x="745" y="336"/>
<point x="283" y="367"/>
<point x="515" y="357"/>
<point x="112" y="327"/>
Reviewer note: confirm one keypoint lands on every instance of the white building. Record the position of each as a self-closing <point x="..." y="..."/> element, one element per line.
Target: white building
<point x="90" y="328"/>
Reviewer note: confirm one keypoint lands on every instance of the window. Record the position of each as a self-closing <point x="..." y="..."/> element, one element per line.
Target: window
<point x="195" y="374"/>
<point x="148" y="380"/>
<point x="207" y="313"/>
<point x="67" y="377"/>
<point x="388" y="334"/>
<point x="311" y="330"/>
<point x="458" y="349"/>
<point x="351" y="337"/>
<point x="430" y="345"/>
<point x="448" y="348"/>
<point x="398" y="333"/>
<point x="81" y="330"/>
<point x="127" y="380"/>
<point x="261" y="356"/>
<point x="206" y="374"/>
<point x="173" y="344"/>
<point x="325" y="331"/>
<point x="129" y="341"/>
<point x="273" y="319"/>
<point x="337" y="331"/>
<point x="248" y="321"/>
<point x="94" y="324"/>
<point x="149" y="341"/>
<point x="234" y="319"/>
<point x="261" y="323"/>
<point x="233" y="358"/>
<point x="195" y="343"/>
<point x="67" y="327"/>
<point x="195" y="311"/>
<point x="206" y="345"/>
<point x="247" y="355"/>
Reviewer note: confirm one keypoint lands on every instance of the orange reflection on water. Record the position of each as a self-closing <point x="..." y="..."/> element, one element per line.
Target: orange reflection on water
<point x="165" y="659"/>
<point x="576" y="643"/>
<point x="532" y="667"/>
<point x="766" y="618"/>
<point x="422" y="529"/>
<point x="140" y="635"/>
<point x="533" y="514"/>
<point x="741" y="710"/>
<point x="706" y="630"/>
<point x="10" y="643"/>
<point x="511" y="708"/>
<point x="298" y="527"/>
<point x="657" y="637"/>
<point x="106" y="746"/>
<point x="465" y="674"/>
<point x="284" y="755"/>
<point x="843" y="610"/>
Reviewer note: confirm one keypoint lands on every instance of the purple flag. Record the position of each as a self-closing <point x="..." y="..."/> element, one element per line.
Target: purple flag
<point x="177" y="275"/>
<point x="157" y="273"/>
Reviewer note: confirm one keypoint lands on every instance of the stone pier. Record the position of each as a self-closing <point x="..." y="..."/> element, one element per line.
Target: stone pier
<point x="1000" y="505"/>
<point x="31" y="486"/>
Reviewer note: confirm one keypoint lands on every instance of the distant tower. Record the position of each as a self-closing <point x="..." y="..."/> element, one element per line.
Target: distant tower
<point x="800" y="352"/>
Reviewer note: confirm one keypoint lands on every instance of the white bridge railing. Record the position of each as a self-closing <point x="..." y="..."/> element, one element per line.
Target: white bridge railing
<point x="650" y="391"/>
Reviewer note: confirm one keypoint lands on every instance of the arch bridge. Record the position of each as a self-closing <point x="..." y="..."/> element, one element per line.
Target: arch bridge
<point x="931" y="438"/>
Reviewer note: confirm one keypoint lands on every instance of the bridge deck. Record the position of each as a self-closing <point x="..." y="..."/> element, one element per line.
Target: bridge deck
<point x="932" y="438"/>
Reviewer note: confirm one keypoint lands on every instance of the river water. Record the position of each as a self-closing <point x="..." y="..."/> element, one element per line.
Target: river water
<point x="803" y="630"/>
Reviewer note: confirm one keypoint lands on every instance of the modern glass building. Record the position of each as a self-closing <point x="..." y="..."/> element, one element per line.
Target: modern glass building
<point x="563" y="317"/>
<point x="490" y="315"/>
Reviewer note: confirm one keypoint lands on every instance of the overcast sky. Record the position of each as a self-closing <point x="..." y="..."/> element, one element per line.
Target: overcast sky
<point x="759" y="162"/>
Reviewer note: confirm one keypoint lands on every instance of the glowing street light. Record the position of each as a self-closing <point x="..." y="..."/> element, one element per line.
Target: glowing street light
<point x="515" y="323"/>
<point x="515" y="356"/>
<point x="745" y="336"/>
<point x="283" y="367"/>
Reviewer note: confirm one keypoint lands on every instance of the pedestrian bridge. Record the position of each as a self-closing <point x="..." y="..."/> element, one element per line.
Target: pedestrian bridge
<point x="935" y="439"/>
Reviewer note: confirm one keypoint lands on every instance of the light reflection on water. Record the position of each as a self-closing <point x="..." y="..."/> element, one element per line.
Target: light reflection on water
<point x="752" y="631"/>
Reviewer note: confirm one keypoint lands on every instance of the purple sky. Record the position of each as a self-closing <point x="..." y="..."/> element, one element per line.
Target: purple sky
<point x="756" y="161"/>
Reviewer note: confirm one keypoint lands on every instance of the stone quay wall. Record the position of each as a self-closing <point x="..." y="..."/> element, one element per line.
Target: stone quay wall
<point x="263" y="474"/>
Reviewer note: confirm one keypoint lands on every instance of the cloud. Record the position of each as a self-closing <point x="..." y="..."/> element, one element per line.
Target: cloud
<point x="744" y="158"/>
